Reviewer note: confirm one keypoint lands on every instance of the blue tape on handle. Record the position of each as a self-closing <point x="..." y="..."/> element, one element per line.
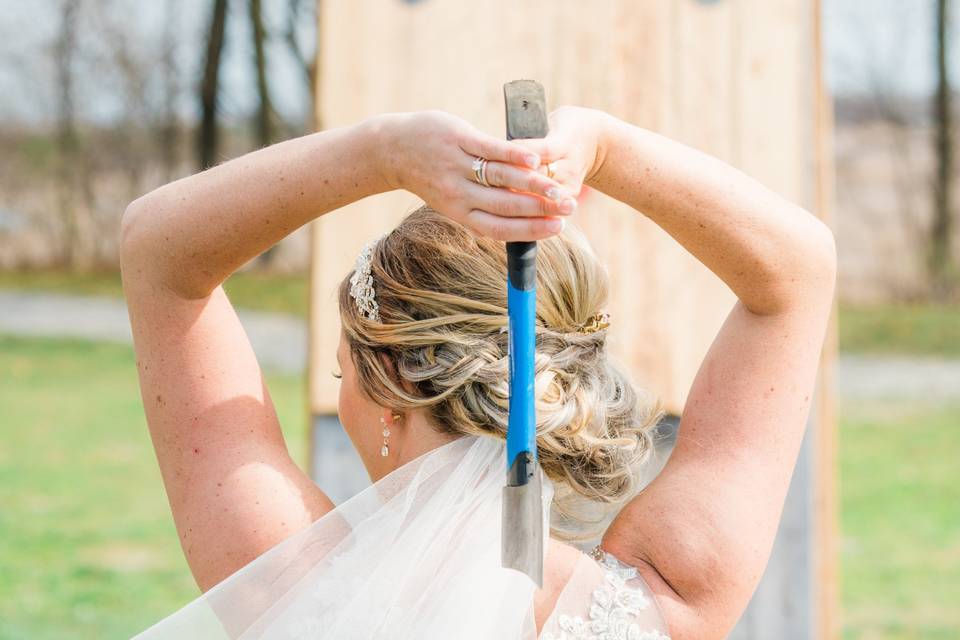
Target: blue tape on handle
<point x="521" y="346"/>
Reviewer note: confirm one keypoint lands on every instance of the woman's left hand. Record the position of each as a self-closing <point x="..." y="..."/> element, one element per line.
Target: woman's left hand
<point x="431" y="154"/>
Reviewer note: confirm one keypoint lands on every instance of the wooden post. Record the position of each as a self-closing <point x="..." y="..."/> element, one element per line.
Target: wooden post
<point x="737" y="78"/>
<point x="827" y="492"/>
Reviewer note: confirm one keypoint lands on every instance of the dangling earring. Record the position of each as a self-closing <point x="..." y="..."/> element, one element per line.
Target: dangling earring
<point x="385" y="449"/>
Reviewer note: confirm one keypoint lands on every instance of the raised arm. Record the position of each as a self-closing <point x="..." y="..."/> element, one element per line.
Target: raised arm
<point x="708" y="521"/>
<point x="232" y="486"/>
<point x="702" y="531"/>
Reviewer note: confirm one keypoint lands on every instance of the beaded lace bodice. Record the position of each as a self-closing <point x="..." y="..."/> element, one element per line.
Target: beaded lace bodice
<point x="620" y="607"/>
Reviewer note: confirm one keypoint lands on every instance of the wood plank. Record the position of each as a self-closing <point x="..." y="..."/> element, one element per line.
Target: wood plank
<point x="358" y="80"/>
<point x="702" y="108"/>
<point x="774" y="115"/>
<point x="731" y="77"/>
<point x="637" y="39"/>
<point x="826" y="489"/>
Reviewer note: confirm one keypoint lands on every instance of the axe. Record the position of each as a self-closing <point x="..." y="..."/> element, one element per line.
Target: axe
<point x="522" y="525"/>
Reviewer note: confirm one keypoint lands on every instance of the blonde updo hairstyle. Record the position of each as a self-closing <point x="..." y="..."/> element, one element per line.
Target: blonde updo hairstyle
<point x="442" y="300"/>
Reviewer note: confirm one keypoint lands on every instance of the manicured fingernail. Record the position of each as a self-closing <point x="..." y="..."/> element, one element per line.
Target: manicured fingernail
<point x="553" y="193"/>
<point x="567" y="205"/>
<point x="555" y="224"/>
<point x="532" y="161"/>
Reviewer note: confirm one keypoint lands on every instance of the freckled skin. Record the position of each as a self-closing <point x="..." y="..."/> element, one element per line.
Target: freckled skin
<point x="218" y="442"/>
<point x="700" y="534"/>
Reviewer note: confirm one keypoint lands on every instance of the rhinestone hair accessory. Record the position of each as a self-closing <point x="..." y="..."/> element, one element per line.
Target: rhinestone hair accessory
<point x="361" y="282"/>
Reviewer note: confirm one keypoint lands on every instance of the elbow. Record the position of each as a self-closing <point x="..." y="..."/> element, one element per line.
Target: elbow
<point x="131" y="226"/>
<point x="806" y="275"/>
<point x="812" y="281"/>
<point x="129" y="243"/>
<point x="126" y="228"/>
<point x="822" y="257"/>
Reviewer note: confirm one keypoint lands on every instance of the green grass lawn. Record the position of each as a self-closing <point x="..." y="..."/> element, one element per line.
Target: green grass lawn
<point x="88" y="548"/>
<point x="249" y="289"/>
<point x="87" y="545"/>
<point x="920" y="330"/>
<point x="900" y="518"/>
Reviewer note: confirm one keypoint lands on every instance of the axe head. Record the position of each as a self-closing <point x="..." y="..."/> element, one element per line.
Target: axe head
<point x="522" y="523"/>
<point x="526" y="108"/>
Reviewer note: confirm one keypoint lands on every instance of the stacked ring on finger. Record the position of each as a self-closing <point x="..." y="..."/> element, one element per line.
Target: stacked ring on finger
<point x="480" y="170"/>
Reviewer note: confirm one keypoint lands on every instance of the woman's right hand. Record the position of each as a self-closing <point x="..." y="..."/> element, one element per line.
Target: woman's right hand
<point x="572" y="145"/>
<point x="431" y="153"/>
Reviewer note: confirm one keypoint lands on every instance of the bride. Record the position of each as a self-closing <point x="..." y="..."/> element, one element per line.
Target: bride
<point x="424" y="389"/>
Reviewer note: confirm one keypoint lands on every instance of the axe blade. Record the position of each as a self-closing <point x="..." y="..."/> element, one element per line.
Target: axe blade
<point x="522" y="522"/>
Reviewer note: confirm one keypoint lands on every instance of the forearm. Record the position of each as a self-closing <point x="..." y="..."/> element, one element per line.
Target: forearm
<point x="769" y="251"/>
<point x="191" y="234"/>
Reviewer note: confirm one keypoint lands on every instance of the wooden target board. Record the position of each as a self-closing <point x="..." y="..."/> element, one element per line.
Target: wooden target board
<point x="739" y="79"/>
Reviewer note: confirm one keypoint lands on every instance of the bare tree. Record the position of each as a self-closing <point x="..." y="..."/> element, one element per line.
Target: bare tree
<point x="941" y="231"/>
<point x="919" y="176"/>
<point x="308" y="12"/>
<point x="130" y="61"/>
<point x="141" y="140"/>
<point x="68" y="142"/>
<point x="168" y="133"/>
<point x="264" y="116"/>
<point x="209" y="86"/>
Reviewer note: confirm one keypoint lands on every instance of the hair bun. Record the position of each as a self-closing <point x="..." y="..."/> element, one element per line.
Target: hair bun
<point x="443" y="308"/>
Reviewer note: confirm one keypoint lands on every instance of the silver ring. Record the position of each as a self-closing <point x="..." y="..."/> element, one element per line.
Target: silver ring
<point x="480" y="170"/>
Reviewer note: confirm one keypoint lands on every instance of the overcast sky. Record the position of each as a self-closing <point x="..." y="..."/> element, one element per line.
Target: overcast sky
<point x="869" y="42"/>
<point x="891" y="42"/>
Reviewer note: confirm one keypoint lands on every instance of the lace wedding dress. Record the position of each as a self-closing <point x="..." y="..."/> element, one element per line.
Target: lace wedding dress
<point x="416" y="555"/>
<point x="605" y="599"/>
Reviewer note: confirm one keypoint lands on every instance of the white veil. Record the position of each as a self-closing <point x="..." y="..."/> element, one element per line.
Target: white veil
<point x="415" y="555"/>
